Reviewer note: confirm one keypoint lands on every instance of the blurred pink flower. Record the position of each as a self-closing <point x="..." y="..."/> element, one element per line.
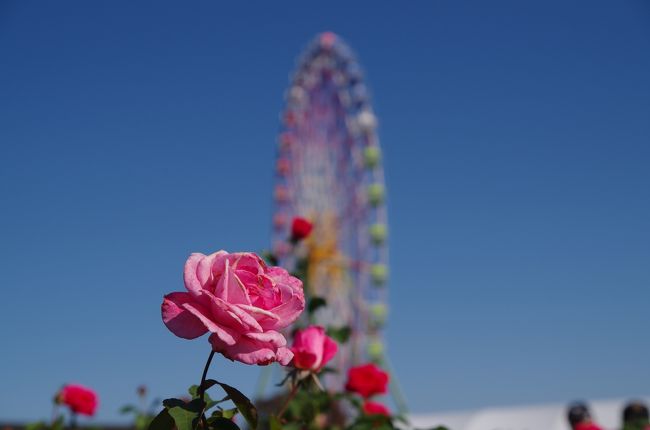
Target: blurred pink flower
<point x="312" y="348"/>
<point x="241" y="301"/>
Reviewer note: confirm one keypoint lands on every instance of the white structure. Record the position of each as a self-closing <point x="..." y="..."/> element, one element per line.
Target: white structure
<point x="607" y="413"/>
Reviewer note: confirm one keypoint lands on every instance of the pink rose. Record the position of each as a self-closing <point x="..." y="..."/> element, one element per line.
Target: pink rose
<point x="241" y="301"/>
<point x="79" y="399"/>
<point x="312" y="348"/>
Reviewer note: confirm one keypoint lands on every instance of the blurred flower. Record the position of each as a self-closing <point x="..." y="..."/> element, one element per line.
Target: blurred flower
<point x="142" y="390"/>
<point x="367" y="380"/>
<point x="587" y="426"/>
<point x="300" y="228"/>
<point x="374" y="408"/>
<point x="312" y="348"/>
<point x="79" y="399"/>
<point x="241" y="301"/>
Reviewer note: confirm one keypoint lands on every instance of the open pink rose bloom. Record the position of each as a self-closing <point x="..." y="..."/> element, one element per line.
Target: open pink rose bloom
<point x="240" y="300"/>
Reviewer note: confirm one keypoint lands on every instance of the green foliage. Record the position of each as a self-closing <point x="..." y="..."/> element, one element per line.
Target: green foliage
<point x="162" y="421"/>
<point x="270" y="257"/>
<point x="274" y="423"/>
<point x="339" y="334"/>
<point x="57" y="424"/>
<point x="315" y="303"/>
<point x="219" y="423"/>
<point x="243" y="403"/>
<point x="640" y="424"/>
<point x="190" y="415"/>
<point x="127" y="409"/>
<point x="225" y="413"/>
<point x="372" y="422"/>
<point x="187" y="416"/>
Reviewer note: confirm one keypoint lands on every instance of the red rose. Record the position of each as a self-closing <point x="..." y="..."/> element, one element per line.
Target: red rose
<point x="367" y="380"/>
<point x="300" y="228"/>
<point x="374" y="408"/>
<point x="79" y="399"/>
<point x="587" y="426"/>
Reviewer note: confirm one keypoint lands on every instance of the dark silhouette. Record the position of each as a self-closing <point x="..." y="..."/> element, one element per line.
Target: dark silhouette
<point x="635" y="416"/>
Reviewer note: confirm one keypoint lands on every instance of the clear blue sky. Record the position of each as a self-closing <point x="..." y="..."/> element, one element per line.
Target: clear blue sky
<point x="516" y="139"/>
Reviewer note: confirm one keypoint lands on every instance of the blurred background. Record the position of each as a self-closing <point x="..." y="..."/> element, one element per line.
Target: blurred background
<point x="516" y="151"/>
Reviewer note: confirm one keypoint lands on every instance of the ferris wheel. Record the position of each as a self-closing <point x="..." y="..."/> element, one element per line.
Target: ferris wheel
<point x="329" y="170"/>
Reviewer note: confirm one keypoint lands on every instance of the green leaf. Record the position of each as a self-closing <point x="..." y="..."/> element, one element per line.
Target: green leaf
<point x="128" y="409"/>
<point x="185" y="414"/>
<point x="220" y="423"/>
<point x="225" y="413"/>
<point x="340" y="334"/>
<point x="315" y="303"/>
<point x="193" y="391"/>
<point x="184" y="419"/>
<point x="270" y="258"/>
<point x="170" y="403"/>
<point x="245" y="406"/>
<point x="35" y="426"/>
<point x="163" y="421"/>
<point x="58" y="424"/>
<point x="142" y="421"/>
<point x="274" y="423"/>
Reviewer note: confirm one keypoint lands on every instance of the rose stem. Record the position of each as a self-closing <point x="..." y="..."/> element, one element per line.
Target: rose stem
<point x="73" y="420"/>
<point x="202" y="389"/>
<point x="292" y="394"/>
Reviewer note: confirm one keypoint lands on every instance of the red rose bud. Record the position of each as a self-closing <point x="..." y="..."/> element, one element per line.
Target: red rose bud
<point x="374" y="408"/>
<point x="79" y="399"/>
<point x="367" y="380"/>
<point x="300" y="229"/>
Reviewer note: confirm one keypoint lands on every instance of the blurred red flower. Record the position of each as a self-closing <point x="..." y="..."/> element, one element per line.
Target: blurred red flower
<point x="300" y="228"/>
<point x="374" y="408"/>
<point x="367" y="380"/>
<point x="79" y="399"/>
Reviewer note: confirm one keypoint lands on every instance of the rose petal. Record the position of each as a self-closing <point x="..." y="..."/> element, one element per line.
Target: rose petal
<point x="227" y="335"/>
<point x="284" y="356"/>
<point x="178" y="320"/>
<point x="192" y="283"/>
<point x="271" y="337"/>
<point x="303" y="359"/>
<point x="246" y="350"/>
<point x="330" y="348"/>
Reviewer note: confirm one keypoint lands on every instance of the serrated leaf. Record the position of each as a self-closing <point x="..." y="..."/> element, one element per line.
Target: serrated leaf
<point x="220" y="423"/>
<point x="243" y="403"/>
<point x="162" y="421"/>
